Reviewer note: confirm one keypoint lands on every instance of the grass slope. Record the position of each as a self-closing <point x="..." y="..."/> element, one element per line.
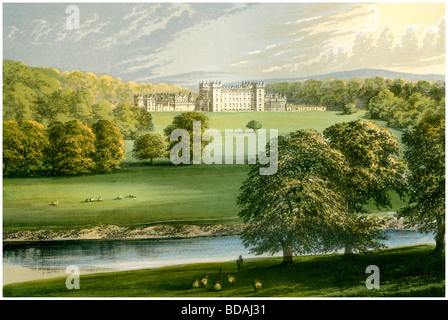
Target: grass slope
<point x="404" y="272"/>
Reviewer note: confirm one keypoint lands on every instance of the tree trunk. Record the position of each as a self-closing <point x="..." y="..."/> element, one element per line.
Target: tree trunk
<point x="287" y="253"/>
<point x="348" y="248"/>
<point x="440" y="237"/>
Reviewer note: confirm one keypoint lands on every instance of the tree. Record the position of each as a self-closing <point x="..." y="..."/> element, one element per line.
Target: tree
<point x="148" y="146"/>
<point x="254" y="124"/>
<point x="72" y="148"/>
<point x="109" y="146"/>
<point x="371" y="154"/>
<point x="425" y="154"/>
<point x="132" y="120"/>
<point x="293" y="209"/>
<point x="349" y="108"/>
<point x="24" y="146"/>
<point x="185" y="121"/>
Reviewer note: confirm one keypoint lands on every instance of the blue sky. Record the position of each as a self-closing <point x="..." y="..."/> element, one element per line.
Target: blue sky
<point x="144" y="41"/>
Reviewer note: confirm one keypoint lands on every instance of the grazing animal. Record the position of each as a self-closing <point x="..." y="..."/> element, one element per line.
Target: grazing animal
<point x="231" y="278"/>
<point x="100" y="199"/>
<point x="257" y="285"/>
<point x="218" y="286"/>
<point x="204" y="280"/>
<point x="196" y="283"/>
<point x="132" y="195"/>
<point x="55" y="203"/>
<point x="119" y="198"/>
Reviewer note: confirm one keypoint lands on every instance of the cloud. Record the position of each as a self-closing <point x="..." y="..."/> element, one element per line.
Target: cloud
<point x="41" y="28"/>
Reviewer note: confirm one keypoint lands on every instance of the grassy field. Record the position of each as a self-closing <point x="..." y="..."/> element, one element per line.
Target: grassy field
<point x="404" y="272"/>
<point x="165" y="193"/>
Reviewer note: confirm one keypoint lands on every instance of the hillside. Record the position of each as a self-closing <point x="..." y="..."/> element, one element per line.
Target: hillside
<point x="106" y="87"/>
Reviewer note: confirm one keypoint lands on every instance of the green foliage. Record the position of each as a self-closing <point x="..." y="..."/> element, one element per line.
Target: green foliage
<point x="24" y="146"/>
<point x="132" y="120"/>
<point x="335" y="93"/>
<point x="149" y="146"/>
<point x="374" y="169"/>
<point x="185" y="121"/>
<point x="109" y="146"/>
<point x="292" y="209"/>
<point x="425" y="154"/>
<point x="349" y="108"/>
<point x="254" y="124"/>
<point x="72" y="148"/>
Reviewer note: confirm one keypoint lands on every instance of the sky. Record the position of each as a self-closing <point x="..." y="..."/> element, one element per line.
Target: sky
<point x="145" y="41"/>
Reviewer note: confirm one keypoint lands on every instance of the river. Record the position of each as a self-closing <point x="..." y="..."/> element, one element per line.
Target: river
<point x="45" y="259"/>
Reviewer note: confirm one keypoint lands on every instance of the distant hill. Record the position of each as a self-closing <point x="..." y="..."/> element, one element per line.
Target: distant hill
<point x="106" y="87"/>
<point x="192" y="79"/>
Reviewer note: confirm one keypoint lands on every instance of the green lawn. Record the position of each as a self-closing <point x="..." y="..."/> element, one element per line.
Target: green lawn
<point x="165" y="193"/>
<point x="404" y="272"/>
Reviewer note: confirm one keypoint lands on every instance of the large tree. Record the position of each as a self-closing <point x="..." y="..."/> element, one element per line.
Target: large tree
<point x="375" y="169"/>
<point x="24" y="146"/>
<point x="293" y="209"/>
<point x="72" y="148"/>
<point x="425" y="154"/>
<point x="109" y="146"/>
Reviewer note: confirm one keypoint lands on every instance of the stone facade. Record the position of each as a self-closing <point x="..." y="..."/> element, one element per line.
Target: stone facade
<point x="214" y="97"/>
<point x="165" y="102"/>
<point x="275" y="102"/>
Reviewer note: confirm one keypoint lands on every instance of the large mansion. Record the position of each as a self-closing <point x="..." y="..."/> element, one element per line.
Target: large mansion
<point x="214" y="97"/>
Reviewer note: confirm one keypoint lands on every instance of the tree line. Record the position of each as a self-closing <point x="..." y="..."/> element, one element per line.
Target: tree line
<point x="385" y="99"/>
<point x="68" y="148"/>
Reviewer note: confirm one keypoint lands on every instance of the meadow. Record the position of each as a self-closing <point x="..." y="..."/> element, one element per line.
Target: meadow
<point x="404" y="272"/>
<point x="193" y="194"/>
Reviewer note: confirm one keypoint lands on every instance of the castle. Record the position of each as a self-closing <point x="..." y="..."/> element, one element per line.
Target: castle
<point x="214" y="97"/>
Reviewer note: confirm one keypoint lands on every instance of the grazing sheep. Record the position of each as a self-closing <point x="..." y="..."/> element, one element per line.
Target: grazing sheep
<point x="87" y="200"/>
<point x="55" y="203"/>
<point x="257" y="285"/>
<point x="196" y="283"/>
<point x="92" y="199"/>
<point x="231" y="278"/>
<point x="118" y="198"/>
<point x="204" y="280"/>
<point x="100" y="199"/>
<point x="132" y="195"/>
<point x="218" y="286"/>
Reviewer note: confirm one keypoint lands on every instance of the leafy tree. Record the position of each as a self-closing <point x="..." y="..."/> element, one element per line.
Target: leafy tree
<point x="254" y="124"/>
<point x="109" y="146"/>
<point x="24" y="146"/>
<point x="185" y="121"/>
<point x="132" y="120"/>
<point x="349" y="108"/>
<point x="293" y="209"/>
<point x="72" y="148"/>
<point x="425" y="154"/>
<point x="148" y="146"/>
<point x="371" y="154"/>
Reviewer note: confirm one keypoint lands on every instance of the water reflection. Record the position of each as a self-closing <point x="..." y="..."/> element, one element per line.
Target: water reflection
<point x="114" y="255"/>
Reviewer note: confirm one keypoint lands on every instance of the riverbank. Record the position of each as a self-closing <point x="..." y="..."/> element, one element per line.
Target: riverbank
<point x="410" y="271"/>
<point x="161" y="231"/>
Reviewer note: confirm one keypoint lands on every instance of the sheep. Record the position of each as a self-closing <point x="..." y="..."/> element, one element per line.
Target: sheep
<point x="118" y="198"/>
<point x="257" y="285"/>
<point x="231" y="278"/>
<point x="218" y="286"/>
<point x="132" y="195"/>
<point x="55" y="203"/>
<point x="204" y="280"/>
<point x="100" y="199"/>
<point x="196" y="283"/>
